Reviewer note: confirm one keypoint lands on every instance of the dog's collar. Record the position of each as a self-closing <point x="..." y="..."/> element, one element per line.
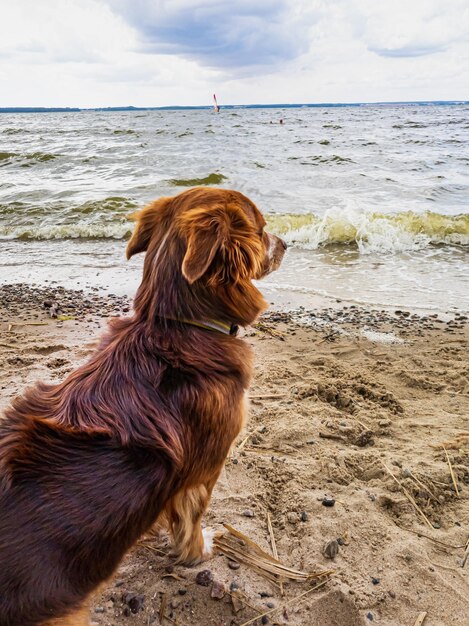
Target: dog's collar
<point x="221" y="327"/>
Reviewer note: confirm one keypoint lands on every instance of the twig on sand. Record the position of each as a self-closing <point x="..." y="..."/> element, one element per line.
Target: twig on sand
<point x="164" y="602"/>
<point x="274" y="545"/>
<point x="466" y="554"/>
<point x="284" y="604"/>
<point x="453" y="477"/>
<point x="246" y="439"/>
<point x="267" y="329"/>
<point x="268" y="396"/>
<point x="28" y="324"/>
<point x="420" y="619"/>
<point x="409" y="497"/>
<point x="424" y="487"/>
<point x="325" y="435"/>
<point x="421" y="534"/>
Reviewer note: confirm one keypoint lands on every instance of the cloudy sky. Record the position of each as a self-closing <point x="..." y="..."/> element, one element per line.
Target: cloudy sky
<point x="157" y="52"/>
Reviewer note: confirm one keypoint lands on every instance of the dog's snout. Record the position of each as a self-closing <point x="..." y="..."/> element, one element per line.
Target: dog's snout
<point x="284" y="244"/>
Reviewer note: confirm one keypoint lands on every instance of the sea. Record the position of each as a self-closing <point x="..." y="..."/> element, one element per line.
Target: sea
<point x="372" y="200"/>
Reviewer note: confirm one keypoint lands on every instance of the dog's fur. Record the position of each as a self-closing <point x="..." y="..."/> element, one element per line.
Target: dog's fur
<point x="140" y="432"/>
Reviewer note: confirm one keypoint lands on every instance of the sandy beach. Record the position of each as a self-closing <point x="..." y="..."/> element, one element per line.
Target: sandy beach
<point x="350" y="409"/>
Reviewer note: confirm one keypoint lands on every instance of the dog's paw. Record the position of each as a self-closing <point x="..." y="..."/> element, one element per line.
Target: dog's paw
<point x="209" y="535"/>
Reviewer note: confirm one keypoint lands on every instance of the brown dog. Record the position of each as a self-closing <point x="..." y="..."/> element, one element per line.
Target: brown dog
<point x="141" y="431"/>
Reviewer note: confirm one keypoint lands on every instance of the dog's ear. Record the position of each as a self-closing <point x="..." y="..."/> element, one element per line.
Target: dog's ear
<point x="223" y="237"/>
<point x="147" y="220"/>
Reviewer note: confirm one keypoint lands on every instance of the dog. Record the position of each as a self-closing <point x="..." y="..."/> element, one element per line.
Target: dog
<point x="138" y="435"/>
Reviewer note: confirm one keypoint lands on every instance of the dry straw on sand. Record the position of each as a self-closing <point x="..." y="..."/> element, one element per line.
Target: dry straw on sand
<point x="240" y="548"/>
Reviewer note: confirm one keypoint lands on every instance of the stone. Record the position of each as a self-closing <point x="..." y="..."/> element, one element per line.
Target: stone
<point x="218" y="590"/>
<point x="204" y="577"/>
<point x="331" y="549"/>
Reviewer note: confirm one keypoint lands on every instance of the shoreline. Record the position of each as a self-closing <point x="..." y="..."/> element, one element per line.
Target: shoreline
<point x="341" y="398"/>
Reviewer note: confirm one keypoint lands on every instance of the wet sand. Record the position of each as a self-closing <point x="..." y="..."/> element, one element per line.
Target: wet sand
<point x="350" y="409"/>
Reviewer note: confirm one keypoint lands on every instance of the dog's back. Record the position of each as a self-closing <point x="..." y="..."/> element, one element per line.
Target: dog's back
<point x="70" y="508"/>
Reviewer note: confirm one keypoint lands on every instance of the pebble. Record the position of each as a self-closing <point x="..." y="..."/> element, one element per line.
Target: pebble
<point x="248" y="513"/>
<point x="328" y="501"/>
<point x="375" y="581"/>
<point x="270" y="605"/>
<point x="292" y="517"/>
<point x="100" y="609"/>
<point x="370" y="616"/>
<point x="234" y="586"/>
<point x="218" y="590"/>
<point x="233" y="565"/>
<point x="182" y="591"/>
<point x="264" y="619"/>
<point x="304" y="516"/>
<point x="133" y="600"/>
<point x="57" y="300"/>
<point x="331" y="549"/>
<point x="204" y="578"/>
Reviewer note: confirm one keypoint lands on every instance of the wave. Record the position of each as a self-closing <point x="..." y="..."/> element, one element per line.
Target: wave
<point x="369" y="231"/>
<point x="96" y="219"/>
<point x="212" y="179"/>
<point x="6" y="158"/>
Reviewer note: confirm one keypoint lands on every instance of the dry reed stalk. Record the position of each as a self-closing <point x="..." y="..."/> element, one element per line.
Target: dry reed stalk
<point x="241" y="596"/>
<point x="246" y="439"/>
<point x="266" y="329"/>
<point x="27" y="324"/>
<point x="409" y="497"/>
<point x="274" y="545"/>
<point x="164" y="602"/>
<point x="420" y="619"/>
<point x="424" y="487"/>
<point x="259" y="560"/>
<point x="284" y="604"/>
<point x="453" y="477"/>
<point x="466" y="553"/>
<point x="420" y="534"/>
<point x="325" y="435"/>
<point x="268" y="396"/>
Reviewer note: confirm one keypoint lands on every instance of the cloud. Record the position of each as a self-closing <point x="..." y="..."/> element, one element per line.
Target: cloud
<point x="400" y="28"/>
<point x="161" y="52"/>
<point x="233" y="35"/>
<point x="407" y="51"/>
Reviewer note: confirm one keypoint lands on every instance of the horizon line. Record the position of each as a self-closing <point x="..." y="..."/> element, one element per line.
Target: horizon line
<point x="34" y="109"/>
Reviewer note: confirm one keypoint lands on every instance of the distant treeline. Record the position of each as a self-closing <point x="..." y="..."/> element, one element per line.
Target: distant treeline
<point x="229" y="106"/>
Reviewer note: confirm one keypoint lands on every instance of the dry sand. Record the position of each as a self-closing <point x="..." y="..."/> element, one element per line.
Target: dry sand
<point x="338" y="397"/>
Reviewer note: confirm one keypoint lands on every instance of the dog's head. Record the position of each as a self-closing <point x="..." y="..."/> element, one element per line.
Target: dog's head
<point x="213" y="240"/>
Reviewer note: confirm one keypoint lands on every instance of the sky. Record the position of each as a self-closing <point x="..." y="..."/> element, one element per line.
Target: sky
<point x="90" y="53"/>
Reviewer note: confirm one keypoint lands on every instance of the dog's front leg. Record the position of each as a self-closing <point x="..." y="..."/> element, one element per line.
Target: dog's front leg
<point x="184" y="513"/>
